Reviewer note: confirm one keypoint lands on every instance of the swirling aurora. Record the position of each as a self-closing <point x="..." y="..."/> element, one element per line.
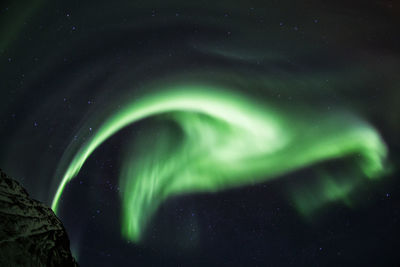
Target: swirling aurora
<point x="226" y="140"/>
<point x="207" y="133"/>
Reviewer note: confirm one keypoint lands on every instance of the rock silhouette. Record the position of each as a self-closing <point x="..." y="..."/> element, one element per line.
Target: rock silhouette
<point x="30" y="232"/>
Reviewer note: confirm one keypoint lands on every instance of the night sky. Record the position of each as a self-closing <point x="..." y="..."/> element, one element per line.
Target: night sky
<point x="329" y="67"/>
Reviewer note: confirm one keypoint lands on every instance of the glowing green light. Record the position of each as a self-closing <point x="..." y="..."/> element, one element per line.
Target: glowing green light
<point x="226" y="140"/>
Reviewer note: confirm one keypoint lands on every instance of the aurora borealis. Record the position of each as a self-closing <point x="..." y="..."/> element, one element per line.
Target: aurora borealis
<point x="173" y="133"/>
<point x="227" y="141"/>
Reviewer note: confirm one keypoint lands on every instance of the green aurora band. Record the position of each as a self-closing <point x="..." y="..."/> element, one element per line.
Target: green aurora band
<point x="216" y="139"/>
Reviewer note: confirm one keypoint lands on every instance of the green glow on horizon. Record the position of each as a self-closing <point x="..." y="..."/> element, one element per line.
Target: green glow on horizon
<point x="225" y="140"/>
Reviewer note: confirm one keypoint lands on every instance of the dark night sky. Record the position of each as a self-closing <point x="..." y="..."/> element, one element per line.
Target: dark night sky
<point x="65" y="65"/>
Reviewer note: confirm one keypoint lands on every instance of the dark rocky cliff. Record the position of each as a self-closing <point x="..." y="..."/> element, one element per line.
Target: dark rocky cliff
<point x="30" y="232"/>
